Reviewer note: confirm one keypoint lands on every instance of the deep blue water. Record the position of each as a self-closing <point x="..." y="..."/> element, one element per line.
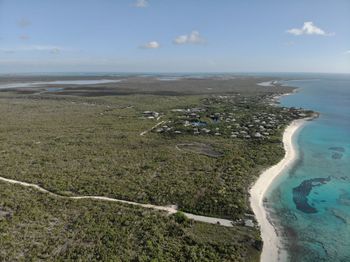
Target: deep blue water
<point x="311" y="201"/>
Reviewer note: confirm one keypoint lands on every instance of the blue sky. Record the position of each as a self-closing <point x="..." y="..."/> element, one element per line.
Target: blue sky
<point x="175" y="36"/>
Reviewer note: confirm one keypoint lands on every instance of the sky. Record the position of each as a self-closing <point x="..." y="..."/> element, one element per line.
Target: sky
<point x="175" y="36"/>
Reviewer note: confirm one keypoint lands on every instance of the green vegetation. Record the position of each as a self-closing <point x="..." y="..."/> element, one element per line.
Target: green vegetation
<point x="38" y="227"/>
<point x="75" y="145"/>
<point x="180" y="217"/>
<point x="80" y="146"/>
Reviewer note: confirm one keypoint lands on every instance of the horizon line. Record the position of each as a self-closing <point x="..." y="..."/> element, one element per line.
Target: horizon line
<point x="170" y="72"/>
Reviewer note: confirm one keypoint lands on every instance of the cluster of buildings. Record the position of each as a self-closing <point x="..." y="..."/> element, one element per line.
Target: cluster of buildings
<point x="227" y="116"/>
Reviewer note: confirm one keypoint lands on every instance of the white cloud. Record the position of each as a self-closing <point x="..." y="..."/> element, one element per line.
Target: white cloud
<point x="151" y="45"/>
<point x="193" y="38"/>
<point x="347" y="52"/>
<point x="308" y="29"/>
<point x="141" y="3"/>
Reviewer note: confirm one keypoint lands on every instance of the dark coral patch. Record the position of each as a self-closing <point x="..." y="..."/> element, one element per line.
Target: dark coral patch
<point x="337" y="155"/>
<point x="301" y="193"/>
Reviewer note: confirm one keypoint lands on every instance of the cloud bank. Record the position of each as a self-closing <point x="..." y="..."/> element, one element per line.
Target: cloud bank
<point x="308" y="29"/>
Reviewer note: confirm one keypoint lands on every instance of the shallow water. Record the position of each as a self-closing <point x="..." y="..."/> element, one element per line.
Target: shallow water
<point x="311" y="201"/>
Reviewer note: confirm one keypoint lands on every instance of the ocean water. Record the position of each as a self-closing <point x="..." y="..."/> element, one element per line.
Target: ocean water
<point x="310" y="203"/>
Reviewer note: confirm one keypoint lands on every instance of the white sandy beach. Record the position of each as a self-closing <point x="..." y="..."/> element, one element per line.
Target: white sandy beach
<point x="272" y="245"/>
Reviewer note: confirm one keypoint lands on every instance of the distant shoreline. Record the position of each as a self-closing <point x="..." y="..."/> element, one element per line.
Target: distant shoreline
<point x="271" y="243"/>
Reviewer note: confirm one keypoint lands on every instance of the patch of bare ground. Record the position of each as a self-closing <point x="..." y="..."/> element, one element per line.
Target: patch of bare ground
<point x="199" y="148"/>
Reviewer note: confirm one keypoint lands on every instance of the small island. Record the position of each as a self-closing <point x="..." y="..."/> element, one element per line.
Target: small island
<point x="127" y="168"/>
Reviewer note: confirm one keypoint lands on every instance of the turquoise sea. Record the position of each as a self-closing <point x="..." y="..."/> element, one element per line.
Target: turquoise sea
<point x="310" y="203"/>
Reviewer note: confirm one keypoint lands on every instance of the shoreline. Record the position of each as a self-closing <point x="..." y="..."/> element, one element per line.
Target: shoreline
<point x="272" y="249"/>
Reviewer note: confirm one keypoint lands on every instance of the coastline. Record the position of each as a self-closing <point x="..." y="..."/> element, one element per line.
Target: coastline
<point x="272" y="249"/>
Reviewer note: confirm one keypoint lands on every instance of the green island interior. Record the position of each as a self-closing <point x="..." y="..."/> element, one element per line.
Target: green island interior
<point x="134" y="140"/>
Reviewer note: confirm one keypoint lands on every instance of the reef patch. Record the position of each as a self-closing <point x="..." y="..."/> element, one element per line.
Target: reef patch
<point x="301" y="193"/>
<point x="337" y="152"/>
